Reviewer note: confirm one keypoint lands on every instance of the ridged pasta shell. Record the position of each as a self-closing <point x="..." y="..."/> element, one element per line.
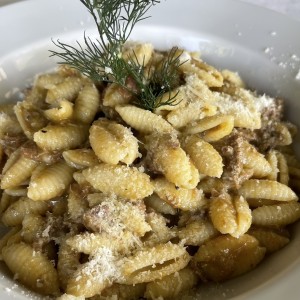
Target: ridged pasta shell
<point x="113" y="142"/>
<point x="16" y="212"/>
<point x="230" y="214"/>
<point x="167" y="157"/>
<point x="18" y="172"/>
<point x="205" y="157"/>
<point x="184" y="199"/>
<point x="125" y="182"/>
<point x="225" y="257"/>
<point x="170" y="286"/>
<point x="276" y="215"/>
<point x="42" y="278"/>
<point x="267" y="189"/>
<point x="143" y="120"/>
<point x="197" y="232"/>
<point x="153" y="263"/>
<point x="50" y="182"/>
<point x="61" y="137"/>
<point x="87" y="104"/>
<point x="271" y="239"/>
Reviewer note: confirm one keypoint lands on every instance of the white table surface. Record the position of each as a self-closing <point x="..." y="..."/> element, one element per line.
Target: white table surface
<point x="289" y="7"/>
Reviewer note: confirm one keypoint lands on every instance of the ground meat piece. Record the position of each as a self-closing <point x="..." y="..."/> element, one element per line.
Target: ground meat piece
<point x="231" y="149"/>
<point x="32" y="151"/>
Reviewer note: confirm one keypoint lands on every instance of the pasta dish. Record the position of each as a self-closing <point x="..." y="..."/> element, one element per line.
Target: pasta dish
<point x="107" y="200"/>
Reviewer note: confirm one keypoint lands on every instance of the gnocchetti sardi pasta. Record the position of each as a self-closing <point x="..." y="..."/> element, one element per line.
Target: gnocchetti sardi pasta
<point x="107" y="200"/>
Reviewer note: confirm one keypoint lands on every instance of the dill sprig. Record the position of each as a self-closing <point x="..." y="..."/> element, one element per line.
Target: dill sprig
<point x="101" y="58"/>
<point x="162" y="82"/>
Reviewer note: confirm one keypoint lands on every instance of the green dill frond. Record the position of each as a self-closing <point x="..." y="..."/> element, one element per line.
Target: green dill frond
<point x="115" y="20"/>
<point x="101" y="59"/>
<point x="162" y="82"/>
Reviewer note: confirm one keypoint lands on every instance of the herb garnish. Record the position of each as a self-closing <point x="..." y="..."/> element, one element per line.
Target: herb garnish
<point x="101" y="59"/>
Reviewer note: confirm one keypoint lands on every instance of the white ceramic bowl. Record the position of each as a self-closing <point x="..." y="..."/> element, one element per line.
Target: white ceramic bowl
<point x="263" y="46"/>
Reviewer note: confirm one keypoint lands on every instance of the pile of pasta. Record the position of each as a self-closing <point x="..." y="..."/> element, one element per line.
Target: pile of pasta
<point x="106" y="200"/>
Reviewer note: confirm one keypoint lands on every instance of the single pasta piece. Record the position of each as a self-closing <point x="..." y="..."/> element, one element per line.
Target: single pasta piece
<point x="197" y="232"/>
<point x="68" y="89"/>
<point x="255" y="161"/>
<point x="80" y="158"/>
<point x="207" y="73"/>
<point x="52" y="181"/>
<point x="271" y="239"/>
<point x="225" y="257"/>
<point x="153" y="263"/>
<point x="184" y="199"/>
<point x="62" y="111"/>
<point x="276" y="215"/>
<point x="160" y="205"/>
<point x="113" y="142"/>
<point x="87" y="104"/>
<point x="67" y="263"/>
<point x="17" y="211"/>
<point x="42" y="278"/>
<point x="77" y="205"/>
<point x="190" y="113"/>
<point x="30" y="118"/>
<point x="125" y="182"/>
<point x="267" y="189"/>
<point x="280" y="169"/>
<point x="143" y="120"/>
<point x="18" y="172"/>
<point x="116" y="95"/>
<point x="92" y="277"/>
<point x="207" y="160"/>
<point x="167" y="157"/>
<point x="172" y="285"/>
<point x="61" y="137"/>
<point x="230" y="215"/>
<point x="211" y="128"/>
<point x="33" y="226"/>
